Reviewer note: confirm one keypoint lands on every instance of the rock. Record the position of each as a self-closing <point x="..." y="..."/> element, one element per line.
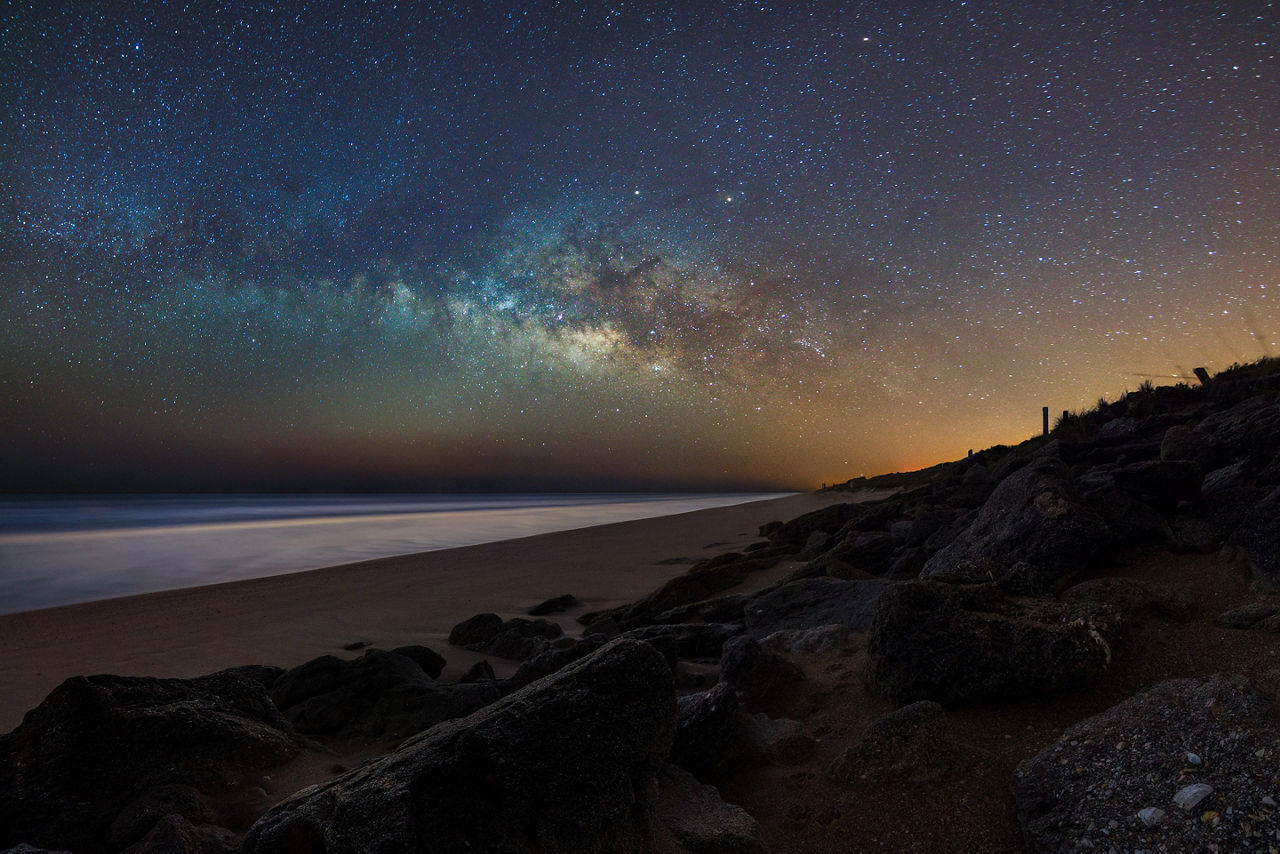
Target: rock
<point x="911" y="744"/>
<point x="173" y="834"/>
<point x="138" y="818"/>
<point x="691" y="640"/>
<point x="942" y="642"/>
<point x="1262" y="616"/>
<point x="569" y="763"/>
<point x="816" y="544"/>
<point x="552" y="660"/>
<point x="1257" y="539"/>
<point x="702" y="581"/>
<point x="379" y="695"/>
<point x="1103" y="771"/>
<point x="1151" y="816"/>
<point x="1134" y="522"/>
<point x="1133" y="598"/>
<point x="837" y="518"/>
<point x="756" y="673"/>
<point x="814" y="602"/>
<point x="1206" y="526"/>
<point x="1227" y="477"/>
<point x="1182" y="442"/>
<point x="97" y="743"/>
<point x="1189" y="797"/>
<point x="1161" y="483"/>
<point x="723" y="609"/>
<point x="1249" y="429"/>
<point x="1123" y="427"/>
<point x="776" y="741"/>
<point x="821" y="640"/>
<point x="517" y="639"/>
<point x="707" y="732"/>
<point x="869" y="552"/>
<point x="555" y="605"/>
<point x="700" y="821"/>
<point x="1033" y="516"/>
<point x="1194" y="759"/>
<point x="481" y="671"/>
<point x="24" y="848"/>
<point x="431" y="662"/>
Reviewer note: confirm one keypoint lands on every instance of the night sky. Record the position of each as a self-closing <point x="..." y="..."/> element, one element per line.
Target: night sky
<point x="506" y="245"/>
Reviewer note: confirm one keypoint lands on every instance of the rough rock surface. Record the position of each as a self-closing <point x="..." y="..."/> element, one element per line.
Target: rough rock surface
<point x="1033" y="516"/>
<point x="379" y="695"/>
<point x="707" y="731"/>
<point x="173" y="834"/>
<point x="700" y="821"/>
<point x="755" y="672"/>
<point x="1085" y="792"/>
<point x="97" y="743"/>
<point x="517" y="639"/>
<point x="943" y="642"/>
<point x="567" y="764"/>
<point x="1257" y="539"/>
<point x="1133" y="598"/>
<point x="1260" y="616"/>
<point x="813" y="602"/>
<point x="912" y="743"/>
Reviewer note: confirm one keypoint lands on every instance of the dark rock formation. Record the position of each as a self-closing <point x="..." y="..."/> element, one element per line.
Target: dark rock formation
<point x="173" y="834"/>
<point x="139" y="817"/>
<point x="707" y="730"/>
<point x="1256" y="539"/>
<point x="96" y="744"/>
<point x="567" y="764"/>
<point x="517" y="639"/>
<point x="1260" y="616"/>
<point x="379" y="695"/>
<point x="943" y="642"/>
<point x="1033" y="516"/>
<point x="431" y="662"/>
<point x="700" y="821"/>
<point x="755" y="672"/>
<point x="1110" y="782"/>
<point x="555" y="605"/>
<point x="813" y="602"/>
<point x="691" y="640"/>
<point x="910" y="744"/>
<point x="1133" y="599"/>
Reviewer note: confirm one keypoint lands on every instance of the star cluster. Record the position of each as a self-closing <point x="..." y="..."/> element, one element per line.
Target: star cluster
<point x="626" y="245"/>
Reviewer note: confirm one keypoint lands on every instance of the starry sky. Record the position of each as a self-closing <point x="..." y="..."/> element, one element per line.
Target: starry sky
<point x="613" y="245"/>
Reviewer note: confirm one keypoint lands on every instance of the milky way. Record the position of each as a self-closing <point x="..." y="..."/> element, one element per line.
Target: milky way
<point x="548" y="245"/>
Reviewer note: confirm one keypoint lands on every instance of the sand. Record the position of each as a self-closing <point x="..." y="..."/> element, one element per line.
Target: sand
<point x="285" y="620"/>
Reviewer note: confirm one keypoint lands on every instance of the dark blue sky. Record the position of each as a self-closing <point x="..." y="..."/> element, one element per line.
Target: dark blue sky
<point x="279" y="246"/>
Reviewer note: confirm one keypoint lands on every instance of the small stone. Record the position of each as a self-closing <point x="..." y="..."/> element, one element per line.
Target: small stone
<point x="1151" y="816"/>
<point x="1193" y="759"/>
<point x="1189" y="797"/>
<point x="1268" y="801"/>
<point x="1210" y="817"/>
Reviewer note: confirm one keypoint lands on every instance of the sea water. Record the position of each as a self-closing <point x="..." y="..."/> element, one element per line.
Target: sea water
<point x="61" y="550"/>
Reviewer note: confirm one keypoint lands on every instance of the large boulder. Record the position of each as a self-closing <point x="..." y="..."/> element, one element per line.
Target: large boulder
<point x="569" y="763"/>
<point x="945" y="642"/>
<point x="1033" y="516"/>
<point x="377" y="696"/>
<point x="98" y="743"/>
<point x="1256" y="540"/>
<point x="812" y="602"/>
<point x="702" y="823"/>
<point x="912" y="744"/>
<point x="834" y="519"/>
<point x="1188" y="765"/>
<point x="755" y="672"/>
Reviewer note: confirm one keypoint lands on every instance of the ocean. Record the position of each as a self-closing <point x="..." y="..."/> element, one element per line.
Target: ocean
<point x="62" y="550"/>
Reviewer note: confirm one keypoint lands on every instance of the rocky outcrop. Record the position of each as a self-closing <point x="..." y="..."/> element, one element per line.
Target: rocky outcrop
<point x="1188" y="765"/>
<point x="702" y="823"/>
<point x="377" y="696"/>
<point x="911" y="744"/>
<point x="517" y="639"/>
<point x="1256" y="540"/>
<point x="98" y="743"/>
<point x="812" y="602"/>
<point x="944" y="642"/>
<point x="1035" y="517"/>
<point x="567" y="764"/>
<point x="756" y="673"/>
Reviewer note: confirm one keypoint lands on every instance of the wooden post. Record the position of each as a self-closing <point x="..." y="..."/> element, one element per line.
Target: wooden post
<point x="1045" y="414"/>
<point x="1202" y="375"/>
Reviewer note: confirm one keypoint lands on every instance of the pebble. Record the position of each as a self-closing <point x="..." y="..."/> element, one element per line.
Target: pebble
<point x="1269" y="801"/>
<point x="1188" y="797"/>
<point x="1193" y="759"/>
<point x="1151" y="816"/>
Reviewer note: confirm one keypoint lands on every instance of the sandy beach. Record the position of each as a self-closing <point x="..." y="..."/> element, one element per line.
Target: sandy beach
<point x="287" y="619"/>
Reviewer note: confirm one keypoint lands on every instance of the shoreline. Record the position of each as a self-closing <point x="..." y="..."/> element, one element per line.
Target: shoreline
<point x="384" y="602"/>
